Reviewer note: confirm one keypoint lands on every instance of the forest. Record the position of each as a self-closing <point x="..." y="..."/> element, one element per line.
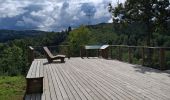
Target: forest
<point x="135" y="23"/>
<point x="14" y="53"/>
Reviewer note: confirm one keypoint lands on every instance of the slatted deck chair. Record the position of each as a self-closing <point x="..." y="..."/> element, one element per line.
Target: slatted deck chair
<point x="51" y="57"/>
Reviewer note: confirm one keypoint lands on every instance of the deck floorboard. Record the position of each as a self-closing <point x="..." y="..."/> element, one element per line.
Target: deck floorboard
<point x="99" y="79"/>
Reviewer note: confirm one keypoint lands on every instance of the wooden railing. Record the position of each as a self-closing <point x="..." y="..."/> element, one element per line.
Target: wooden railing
<point x="145" y="55"/>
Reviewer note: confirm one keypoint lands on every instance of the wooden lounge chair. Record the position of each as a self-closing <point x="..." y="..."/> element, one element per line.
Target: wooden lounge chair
<point x="50" y="56"/>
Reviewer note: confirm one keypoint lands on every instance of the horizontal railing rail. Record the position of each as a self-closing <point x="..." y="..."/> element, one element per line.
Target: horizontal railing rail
<point x="149" y="56"/>
<point x="157" y="57"/>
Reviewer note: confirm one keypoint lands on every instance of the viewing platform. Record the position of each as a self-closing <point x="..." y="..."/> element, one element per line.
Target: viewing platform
<point x="98" y="79"/>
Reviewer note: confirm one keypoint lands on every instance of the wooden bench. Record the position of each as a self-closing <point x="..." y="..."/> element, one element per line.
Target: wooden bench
<point x="51" y="57"/>
<point x="34" y="78"/>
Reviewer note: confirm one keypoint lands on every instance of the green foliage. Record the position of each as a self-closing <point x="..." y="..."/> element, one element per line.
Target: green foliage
<point x="79" y="36"/>
<point x="14" y="54"/>
<point x="131" y="35"/>
<point x="154" y="14"/>
<point x="91" y="35"/>
<point x="12" y="61"/>
<point x="9" y="35"/>
<point x="12" y="88"/>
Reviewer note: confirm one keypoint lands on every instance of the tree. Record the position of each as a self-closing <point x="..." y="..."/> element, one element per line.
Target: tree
<point x="154" y="14"/>
<point x="77" y="37"/>
<point x="69" y="29"/>
<point x="12" y="60"/>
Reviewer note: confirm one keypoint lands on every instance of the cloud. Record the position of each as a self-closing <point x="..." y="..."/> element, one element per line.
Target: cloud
<point x="11" y="8"/>
<point x="52" y="15"/>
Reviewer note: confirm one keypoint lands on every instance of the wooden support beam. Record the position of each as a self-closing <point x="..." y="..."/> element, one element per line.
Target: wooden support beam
<point x="110" y="49"/>
<point x="119" y="53"/>
<point x="81" y="51"/>
<point x="143" y="55"/>
<point x="130" y="55"/>
<point x="162" y="58"/>
<point x="68" y="52"/>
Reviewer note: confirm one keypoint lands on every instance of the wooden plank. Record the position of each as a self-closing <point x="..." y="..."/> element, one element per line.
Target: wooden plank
<point x="83" y="89"/>
<point x="71" y="87"/>
<point x="43" y="74"/>
<point x="37" y="72"/>
<point x="117" y="86"/>
<point x="81" y="95"/>
<point x="60" y="85"/>
<point x="95" y="94"/>
<point x="114" y="87"/>
<point x="104" y="88"/>
<point x="128" y="68"/>
<point x="46" y="85"/>
<point x="156" y="79"/>
<point x="31" y="69"/>
<point x="66" y="88"/>
<point x="99" y="88"/>
<point x="51" y="83"/>
<point x="89" y="89"/>
<point x="33" y="74"/>
<point x="126" y="90"/>
<point x="101" y="93"/>
<point x="98" y="79"/>
<point x="133" y="80"/>
<point x="104" y="77"/>
<point x="56" y="85"/>
<point x="42" y="68"/>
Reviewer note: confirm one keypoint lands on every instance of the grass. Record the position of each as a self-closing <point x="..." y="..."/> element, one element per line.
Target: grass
<point x="12" y="88"/>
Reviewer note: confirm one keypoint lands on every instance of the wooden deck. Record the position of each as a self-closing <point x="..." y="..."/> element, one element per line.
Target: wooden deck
<point x="100" y="79"/>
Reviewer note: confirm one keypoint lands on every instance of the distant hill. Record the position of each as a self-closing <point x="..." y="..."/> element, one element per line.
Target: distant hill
<point x="7" y="35"/>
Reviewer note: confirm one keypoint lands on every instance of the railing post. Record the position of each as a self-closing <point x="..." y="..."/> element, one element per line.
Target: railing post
<point x="143" y="55"/>
<point x="81" y="51"/>
<point x="119" y="54"/>
<point x="110" y="49"/>
<point x="162" y="58"/>
<point x="149" y="56"/>
<point x="98" y="53"/>
<point x="68" y="51"/>
<point x="30" y="54"/>
<point x="130" y="55"/>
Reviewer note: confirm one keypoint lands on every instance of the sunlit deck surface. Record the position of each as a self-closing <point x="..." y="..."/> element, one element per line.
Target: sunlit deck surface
<point x="100" y="79"/>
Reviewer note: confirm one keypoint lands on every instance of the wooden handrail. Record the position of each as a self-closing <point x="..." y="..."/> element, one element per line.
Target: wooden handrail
<point x="143" y="55"/>
<point x="51" y="46"/>
<point x="162" y="58"/>
<point x="130" y="55"/>
<point x="139" y="47"/>
<point x="161" y="53"/>
<point x="119" y="54"/>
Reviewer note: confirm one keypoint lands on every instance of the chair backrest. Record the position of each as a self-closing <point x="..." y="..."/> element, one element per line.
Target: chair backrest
<point x="48" y="52"/>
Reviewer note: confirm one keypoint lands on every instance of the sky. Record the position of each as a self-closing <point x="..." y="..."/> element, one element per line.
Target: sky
<point x="53" y="15"/>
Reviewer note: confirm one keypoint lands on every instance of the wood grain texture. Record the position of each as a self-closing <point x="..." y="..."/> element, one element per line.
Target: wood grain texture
<point x="99" y="79"/>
